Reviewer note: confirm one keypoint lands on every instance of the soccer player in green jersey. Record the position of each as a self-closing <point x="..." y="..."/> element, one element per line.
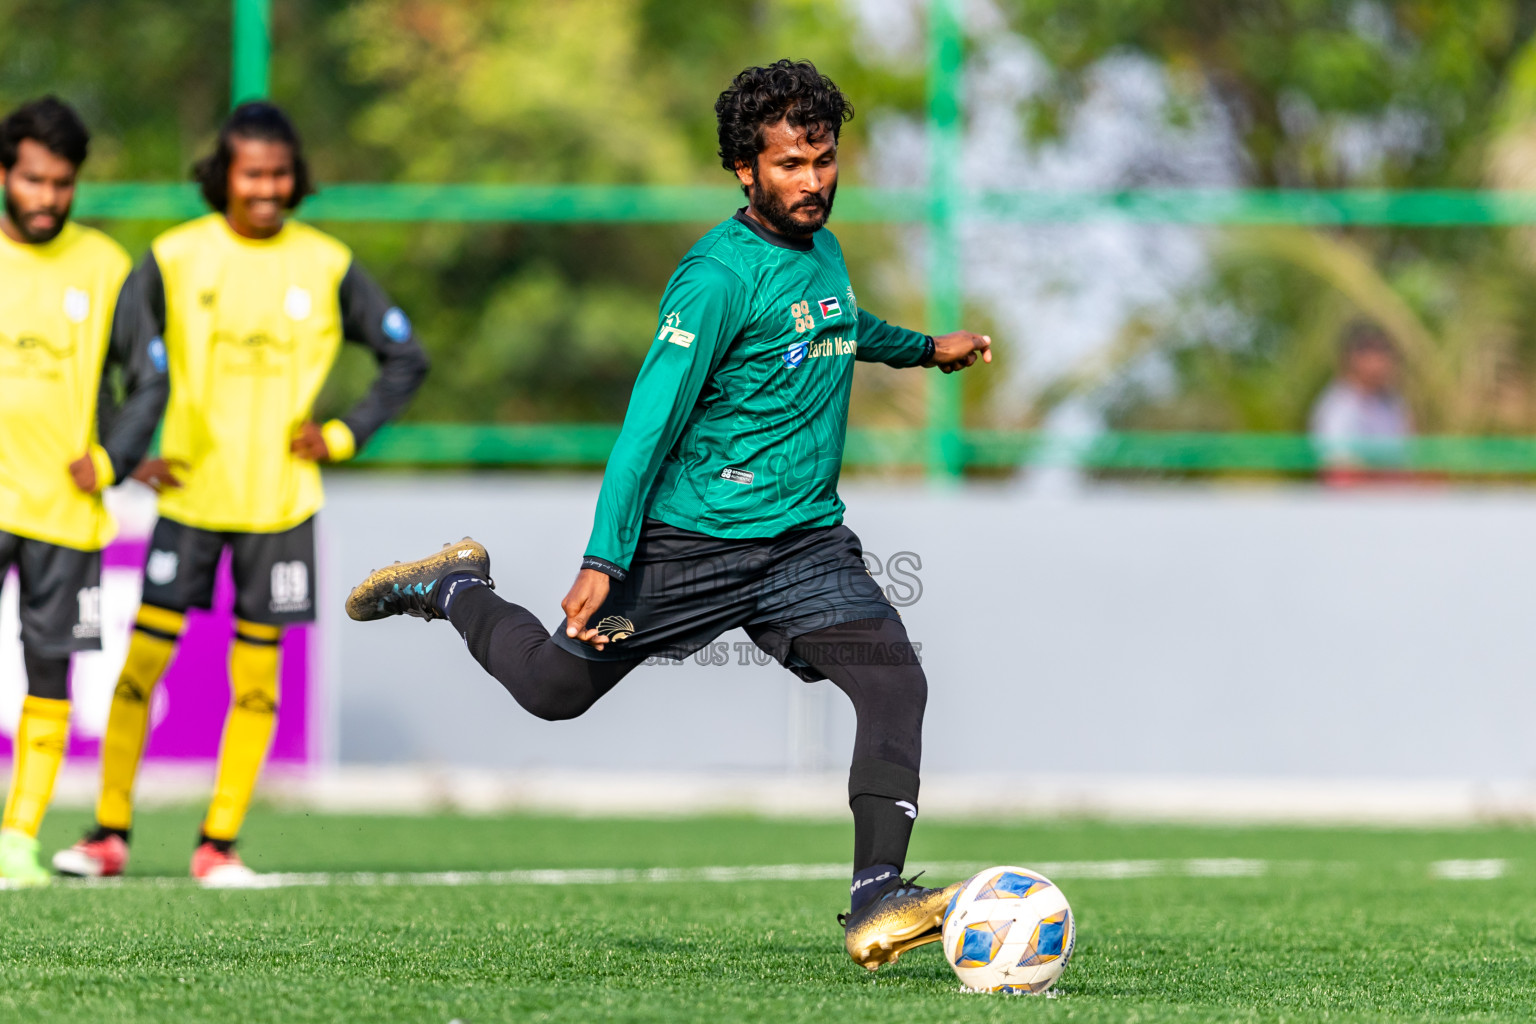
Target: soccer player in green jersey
<point x="719" y="506"/>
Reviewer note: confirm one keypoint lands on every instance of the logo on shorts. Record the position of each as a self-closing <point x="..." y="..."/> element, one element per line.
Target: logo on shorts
<point x="736" y="475"/>
<point x="88" y="623"/>
<point x="161" y="567"/>
<point x="290" y="587"/>
<point x="615" y="627"/>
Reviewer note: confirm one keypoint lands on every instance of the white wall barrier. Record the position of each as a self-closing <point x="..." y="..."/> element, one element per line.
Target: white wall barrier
<point x="1199" y="633"/>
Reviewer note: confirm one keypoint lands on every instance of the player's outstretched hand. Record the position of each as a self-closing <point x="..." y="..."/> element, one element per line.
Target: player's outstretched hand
<point x="309" y="443"/>
<point x="952" y="352"/>
<point x="159" y="473"/>
<point x="586" y="596"/>
<point x="83" y="472"/>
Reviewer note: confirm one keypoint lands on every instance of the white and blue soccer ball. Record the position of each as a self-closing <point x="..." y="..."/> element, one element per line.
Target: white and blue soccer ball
<point x="1009" y="930"/>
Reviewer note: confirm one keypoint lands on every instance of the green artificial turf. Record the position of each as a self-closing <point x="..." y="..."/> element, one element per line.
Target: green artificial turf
<point x="1342" y="925"/>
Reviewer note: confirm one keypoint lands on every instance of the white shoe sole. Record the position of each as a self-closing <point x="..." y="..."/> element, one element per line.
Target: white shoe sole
<point x="230" y="876"/>
<point x="73" y="862"/>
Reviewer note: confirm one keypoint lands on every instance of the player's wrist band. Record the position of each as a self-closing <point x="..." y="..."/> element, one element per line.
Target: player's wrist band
<point x="339" y="440"/>
<point x="604" y="566"/>
<point x="929" y="347"/>
<point x="101" y="461"/>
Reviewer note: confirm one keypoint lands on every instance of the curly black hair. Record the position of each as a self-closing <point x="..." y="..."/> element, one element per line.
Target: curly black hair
<point x="49" y="121"/>
<point x="786" y="90"/>
<point x="253" y="120"/>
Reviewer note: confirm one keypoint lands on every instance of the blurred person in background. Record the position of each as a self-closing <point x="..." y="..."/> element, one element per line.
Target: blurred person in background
<point x="719" y="505"/>
<point x="1361" y="422"/>
<point x="63" y="437"/>
<point x="252" y="308"/>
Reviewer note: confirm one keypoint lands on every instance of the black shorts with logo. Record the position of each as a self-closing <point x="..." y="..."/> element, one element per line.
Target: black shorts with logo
<point x="60" y="595"/>
<point x="684" y="589"/>
<point x="274" y="572"/>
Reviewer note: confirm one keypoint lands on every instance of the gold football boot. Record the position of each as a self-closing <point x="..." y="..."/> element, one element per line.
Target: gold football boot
<point x="901" y="917"/>
<point x="410" y="588"/>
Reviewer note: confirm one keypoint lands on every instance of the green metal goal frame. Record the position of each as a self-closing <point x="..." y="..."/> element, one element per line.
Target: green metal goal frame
<point x="943" y="447"/>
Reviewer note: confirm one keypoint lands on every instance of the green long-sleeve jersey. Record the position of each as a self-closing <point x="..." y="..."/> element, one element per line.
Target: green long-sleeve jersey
<point x="737" y="421"/>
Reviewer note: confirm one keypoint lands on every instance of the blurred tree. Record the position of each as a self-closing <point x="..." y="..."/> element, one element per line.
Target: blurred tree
<point x="1328" y="95"/>
<point x="525" y="322"/>
<point x="1312" y="86"/>
<point x="552" y="322"/>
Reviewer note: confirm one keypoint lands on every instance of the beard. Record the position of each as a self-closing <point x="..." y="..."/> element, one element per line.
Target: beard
<point x="19" y="218"/>
<point x="780" y="216"/>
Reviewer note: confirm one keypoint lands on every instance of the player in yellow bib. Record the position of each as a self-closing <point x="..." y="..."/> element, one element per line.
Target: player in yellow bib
<point x="65" y="437"/>
<point x="253" y="308"/>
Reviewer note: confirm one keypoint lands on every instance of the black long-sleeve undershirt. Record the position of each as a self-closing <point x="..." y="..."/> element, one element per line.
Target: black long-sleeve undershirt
<point x="136" y="351"/>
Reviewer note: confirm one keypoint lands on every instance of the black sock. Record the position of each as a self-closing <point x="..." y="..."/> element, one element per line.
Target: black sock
<point x="46" y="677"/>
<point x="454" y="584"/>
<point x="222" y="845"/>
<point x="882" y="828"/>
<point x="883" y="798"/>
<point x="868" y="883"/>
<point x="477" y="611"/>
<point x="101" y="832"/>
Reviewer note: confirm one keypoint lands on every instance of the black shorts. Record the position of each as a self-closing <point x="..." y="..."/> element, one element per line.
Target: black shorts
<point x="274" y="572"/>
<point x="684" y="589"/>
<point x="60" y="595"/>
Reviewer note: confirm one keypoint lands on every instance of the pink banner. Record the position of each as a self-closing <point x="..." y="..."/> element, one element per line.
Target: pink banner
<point x="188" y="708"/>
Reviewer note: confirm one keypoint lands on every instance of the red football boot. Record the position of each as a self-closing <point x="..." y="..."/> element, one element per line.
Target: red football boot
<point x="100" y="854"/>
<point x="220" y="869"/>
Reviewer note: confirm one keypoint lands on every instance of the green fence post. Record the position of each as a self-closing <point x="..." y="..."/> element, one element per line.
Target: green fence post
<point x="945" y="456"/>
<point x="250" y="50"/>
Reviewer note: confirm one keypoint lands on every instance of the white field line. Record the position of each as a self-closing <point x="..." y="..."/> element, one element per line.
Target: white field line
<point x="538" y="876"/>
<point x="1106" y="870"/>
<point x="1469" y="870"/>
<point x="1225" y="867"/>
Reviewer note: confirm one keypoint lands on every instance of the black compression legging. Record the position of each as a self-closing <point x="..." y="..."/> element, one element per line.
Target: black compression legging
<point x="870" y="660"/>
<point x="47" y="677"/>
<point x="511" y="644"/>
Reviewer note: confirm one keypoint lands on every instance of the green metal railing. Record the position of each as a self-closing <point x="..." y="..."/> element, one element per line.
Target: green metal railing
<point x="946" y="52"/>
<point x="250" y="50"/>
<point x="941" y="445"/>
<point x="656" y="204"/>
<point x="585" y="444"/>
